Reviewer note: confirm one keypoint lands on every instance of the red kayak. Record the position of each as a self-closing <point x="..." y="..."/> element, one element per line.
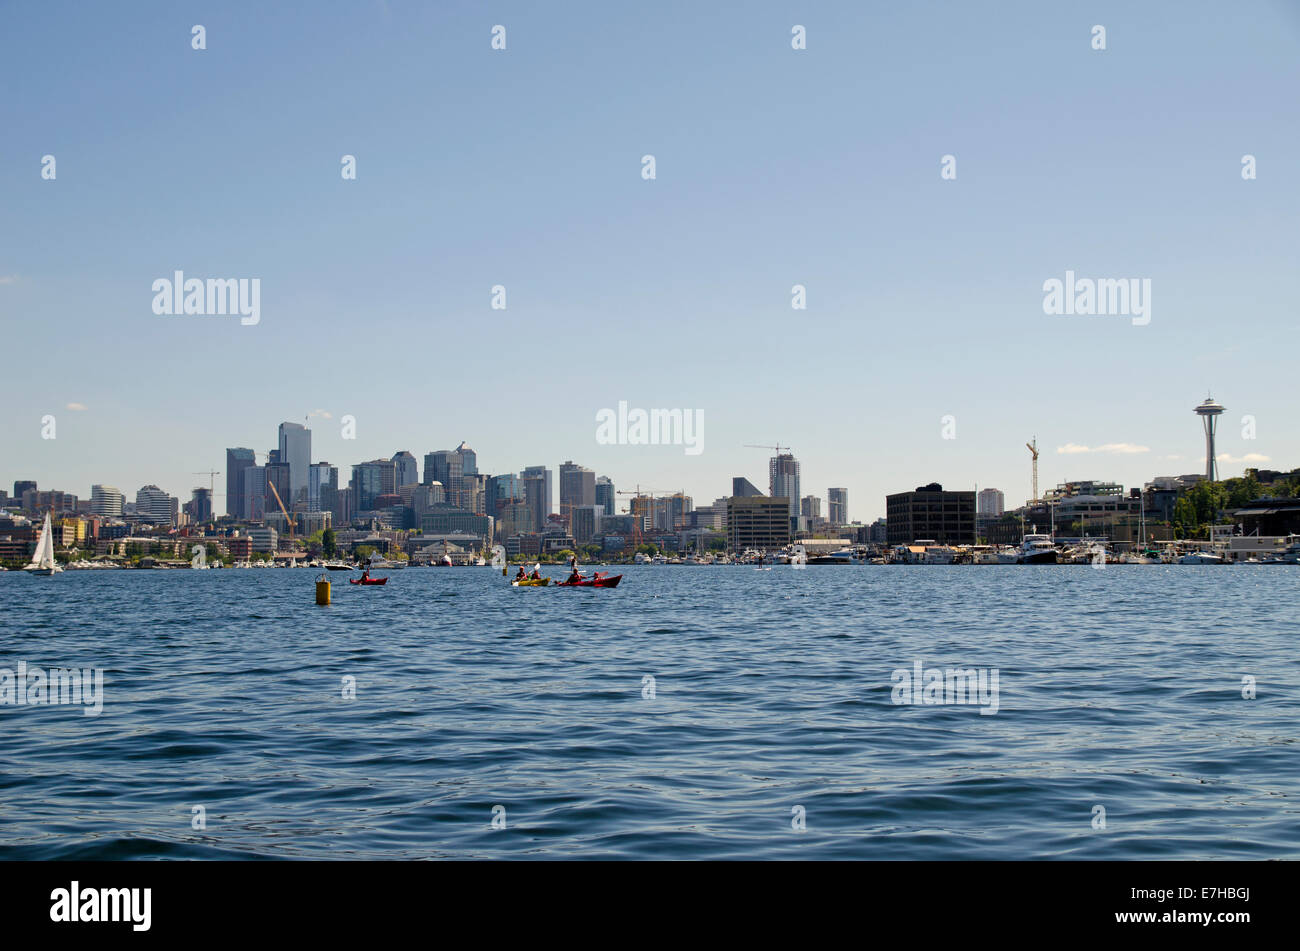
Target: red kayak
<point x="368" y="580"/>
<point x="599" y="581"/>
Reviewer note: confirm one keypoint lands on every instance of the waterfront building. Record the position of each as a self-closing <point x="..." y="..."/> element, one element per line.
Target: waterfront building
<point x="295" y="452"/>
<point x="237" y="460"/>
<point x="1269" y="516"/>
<point x="758" y="522"/>
<point x="837" y="506"/>
<point x="929" y="512"/>
<point x="264" y="539"/>
<point x="106" y="500"/>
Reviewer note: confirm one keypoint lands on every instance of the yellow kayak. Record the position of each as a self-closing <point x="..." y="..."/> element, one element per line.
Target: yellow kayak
<point x="531" y="583"/>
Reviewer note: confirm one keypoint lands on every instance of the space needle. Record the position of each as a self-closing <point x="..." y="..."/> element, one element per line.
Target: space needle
<point x="1209" y="411"/>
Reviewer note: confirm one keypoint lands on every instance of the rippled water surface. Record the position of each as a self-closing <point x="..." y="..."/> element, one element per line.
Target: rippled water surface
<point x="1119" y="688"/>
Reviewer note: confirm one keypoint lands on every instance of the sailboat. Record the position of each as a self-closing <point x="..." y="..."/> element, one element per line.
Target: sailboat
<point x="43" y="560"/>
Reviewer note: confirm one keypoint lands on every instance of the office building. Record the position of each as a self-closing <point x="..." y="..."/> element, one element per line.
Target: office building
<point x="295" y="452"/>
<point x="237" y="460"/>
<point x="783" y="480"/>
<point x="253" y="486"/>
<point x="743" y="488"/>
<point x="837" y="506"/>
<point x="584" y="522"/>
<point x="930" y="513"/>
<point x="152" y="504"/>
<point x="107" y="501"/>
<point x="757" y="522"/>
<point x="577" y="487"/>
<point x="323" y="487"/>
<point x="406" y="471"/>
<point x="605" y="494"/>
<point x="990" y="503"/>
<point x="537" y="493"/>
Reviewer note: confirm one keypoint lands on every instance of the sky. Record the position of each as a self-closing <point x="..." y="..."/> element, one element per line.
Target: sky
<point x="774" y="167"/>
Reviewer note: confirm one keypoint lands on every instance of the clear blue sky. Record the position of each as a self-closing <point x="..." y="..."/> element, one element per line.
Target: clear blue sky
<point x="775" y="167"/>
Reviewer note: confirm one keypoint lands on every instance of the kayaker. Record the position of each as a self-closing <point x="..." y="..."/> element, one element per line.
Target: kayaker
<point x="536" y="575"/>
<point x="523" y="575"/>
<point x="365" y="574"/>
<point x="576" y="576"/>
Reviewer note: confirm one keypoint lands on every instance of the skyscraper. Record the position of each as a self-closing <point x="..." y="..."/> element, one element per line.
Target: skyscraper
<point x="468" y="459"/>
<point x="406" y="470"/>
<point x="605" y="494"/>
<point x="445" y="466"/>
<point x="577" y="487"/>
<point x="370" y="480"/>
<point x="237" y="460"/>
<point x="783" y="480"/>
<point x="152" y="504"/>
<point x="295" y="451"/>
<point x="537" y="493"/>
<point x="323" y="487"/>
<point x="253" y="490"/>
<point x="837" y="506"/>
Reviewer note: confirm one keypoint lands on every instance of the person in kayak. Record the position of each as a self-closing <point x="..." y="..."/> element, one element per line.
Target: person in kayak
<point x="365" y="574"/>
<point x="522" y="574"/>
<point x="536" y="575"/>
<point x="576" y="575"/>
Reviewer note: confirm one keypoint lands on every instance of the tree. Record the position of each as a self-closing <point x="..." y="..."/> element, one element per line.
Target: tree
<point x="328" y="544"/>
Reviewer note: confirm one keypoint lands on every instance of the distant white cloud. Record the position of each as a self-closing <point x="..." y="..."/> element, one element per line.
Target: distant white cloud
<point x="1248" y="457"/>
<point x="1173" y="457"/>
<point x="8" y="278"/>
<point x="323" y="414"/>
<point x="1111" y="448"/>
<point x="79" y="407"/>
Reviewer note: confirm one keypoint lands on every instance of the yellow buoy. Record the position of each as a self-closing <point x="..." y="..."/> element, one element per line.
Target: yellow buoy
<point x="322" y="590"/>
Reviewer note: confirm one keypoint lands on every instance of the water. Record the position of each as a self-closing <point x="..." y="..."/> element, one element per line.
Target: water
<point x="1118" y="688"/>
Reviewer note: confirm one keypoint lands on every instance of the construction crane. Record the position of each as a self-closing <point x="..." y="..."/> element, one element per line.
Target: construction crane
<point x="271" y="485"/>
<point x="646" y="493"/>
<point x="1033" y="449"/>
<point x="212" y="479"/>
<point x="779" y="449"/>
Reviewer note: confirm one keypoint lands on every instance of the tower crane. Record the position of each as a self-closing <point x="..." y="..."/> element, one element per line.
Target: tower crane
<point x="1033" y="449"/>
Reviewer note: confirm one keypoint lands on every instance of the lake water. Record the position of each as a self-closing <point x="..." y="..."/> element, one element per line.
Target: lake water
<point x="772" y="731"/>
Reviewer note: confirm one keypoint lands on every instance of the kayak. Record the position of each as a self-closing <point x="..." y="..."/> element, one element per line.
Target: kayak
<point x="599" y="581"/>
<point x="368" y="580"/>
<point x="531" y="583"/>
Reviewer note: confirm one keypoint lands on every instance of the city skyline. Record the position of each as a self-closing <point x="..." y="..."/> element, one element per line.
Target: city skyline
<point x="819" y="168"/>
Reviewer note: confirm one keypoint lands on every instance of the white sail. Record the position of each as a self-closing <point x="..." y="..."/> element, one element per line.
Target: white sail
<point x="43" y="559"/>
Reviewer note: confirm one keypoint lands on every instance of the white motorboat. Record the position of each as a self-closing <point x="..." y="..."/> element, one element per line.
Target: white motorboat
<point x="1037" y="550"/>
<point x="1200" y="558"/>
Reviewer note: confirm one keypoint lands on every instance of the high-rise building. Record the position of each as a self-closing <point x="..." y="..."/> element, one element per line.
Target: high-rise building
<point x="237" y="460"/>
<point x="253" y="489"/>
<point x="152" y="504"/>
<point x="21" y="486"/>
<point x="577" y="487"/>
<point x="990" y="503"/>
<point x="370" y="480"/>
<point x="278" y="474"/>
<point x="783" y="480"/>
<point x="200" y="507"/>
<point x="448" y="467"/>
<point x="810" y="507"/>
<point x="406" y="470"/>
<point x="323" y="487"/>
<point x="106" y="500"/>
<point x="537" y="493"/>
<point x="501" y="490"/>
<point x="468" y="459"/>
<point x="295" y="452"/>
<point x="584" y="522"/>
<point x="837" y="506"/>
<point x="744" y="489"/>
<point x="605" y="494"/>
